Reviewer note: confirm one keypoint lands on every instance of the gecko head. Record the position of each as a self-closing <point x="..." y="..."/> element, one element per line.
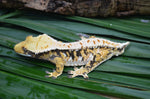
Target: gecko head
<point x="121" y="49"/>
<point x="20" y="47"/>
<point x="39" y="44"/>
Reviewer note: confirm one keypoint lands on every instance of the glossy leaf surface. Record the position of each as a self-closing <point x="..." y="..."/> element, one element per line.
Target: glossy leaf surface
<point x="126" y="76"/>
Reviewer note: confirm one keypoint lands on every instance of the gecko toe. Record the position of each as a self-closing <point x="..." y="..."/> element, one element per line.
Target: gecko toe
<point x="70" y="72"/>
<point x="86" y="78"/>
<point x="47" y="72"/>
<point x="47" y="76"/>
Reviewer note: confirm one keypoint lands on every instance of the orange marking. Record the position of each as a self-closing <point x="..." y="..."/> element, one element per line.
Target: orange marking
<point x="80" y="43"/>
<point x="103" y="41"/>
<point x="63" y="44"/>
<point x="59" y="45"/>
<point x="46" y="46"/>
<point x="76" y="59"/>
<point x="68" y="46"/>
<point x="88" y="41"/>
<point x="98" y="40"/>
<point x="94" y="42"/>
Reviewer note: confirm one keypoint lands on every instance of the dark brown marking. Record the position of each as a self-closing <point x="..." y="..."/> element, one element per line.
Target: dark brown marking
<point x="91" y="63"/>
<point x="119" y="49"/>
<point x="102" y="59"/>
<point x="58" y="52"/>
<point x="71" y="54"/>
<point x="99" y="47"/>
<point x="57" y="70"/>
<point x="38" y="55"/>
<point x="31" y="53"/>
<point x="112" y="48"/>
<point x="88" y="68"/>
<point x="85" y="51"/>
<point x="107" y="47"/>
<point x="94" y="57"/>
<point x="28" y="52"/>
<point x="65" y="52"/>
<point x="109" y="53"/>
<point x="25" y="50"/>
<point x="91" y="48"/>
<point x="78" y="53"/>
<point x="99" y="54"/>
<point x="82" y="58"/>
<point x="84" y="73"/>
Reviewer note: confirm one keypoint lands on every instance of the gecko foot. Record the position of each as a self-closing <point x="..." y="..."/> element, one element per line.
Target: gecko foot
<point x="51" y="74"/>
<point x="77" y="72"/>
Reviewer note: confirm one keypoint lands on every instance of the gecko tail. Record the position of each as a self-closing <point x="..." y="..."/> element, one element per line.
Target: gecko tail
<point x="125" y="44"/>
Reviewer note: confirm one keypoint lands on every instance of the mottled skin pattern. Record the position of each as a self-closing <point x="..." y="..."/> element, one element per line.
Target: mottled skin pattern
<point x="90" y="57"/>
<point x="61" y="58"/>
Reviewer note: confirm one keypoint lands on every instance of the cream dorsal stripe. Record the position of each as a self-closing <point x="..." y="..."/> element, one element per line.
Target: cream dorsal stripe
<point x="44" y="43"/>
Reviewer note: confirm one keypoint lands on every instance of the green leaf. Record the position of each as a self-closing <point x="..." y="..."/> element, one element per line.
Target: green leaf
<point x="13" y="86"/>
<point x="4" y="16"/>
<point x="38" y="74"/>
<point x="118" y="24"/>
<point x="37" y="26"/>
<point x="125" y="76"/>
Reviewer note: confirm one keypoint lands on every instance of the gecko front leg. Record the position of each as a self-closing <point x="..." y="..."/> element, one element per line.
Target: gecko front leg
<point x="59" y="68"/>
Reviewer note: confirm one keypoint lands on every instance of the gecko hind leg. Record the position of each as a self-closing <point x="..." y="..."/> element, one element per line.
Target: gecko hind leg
<point x="83" y="71"/>
<point x="59" y="68"/>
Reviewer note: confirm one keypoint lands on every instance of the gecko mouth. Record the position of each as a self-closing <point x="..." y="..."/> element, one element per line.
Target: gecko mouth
<point x="25" y="55"/>
<point x="27" y="52"/>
